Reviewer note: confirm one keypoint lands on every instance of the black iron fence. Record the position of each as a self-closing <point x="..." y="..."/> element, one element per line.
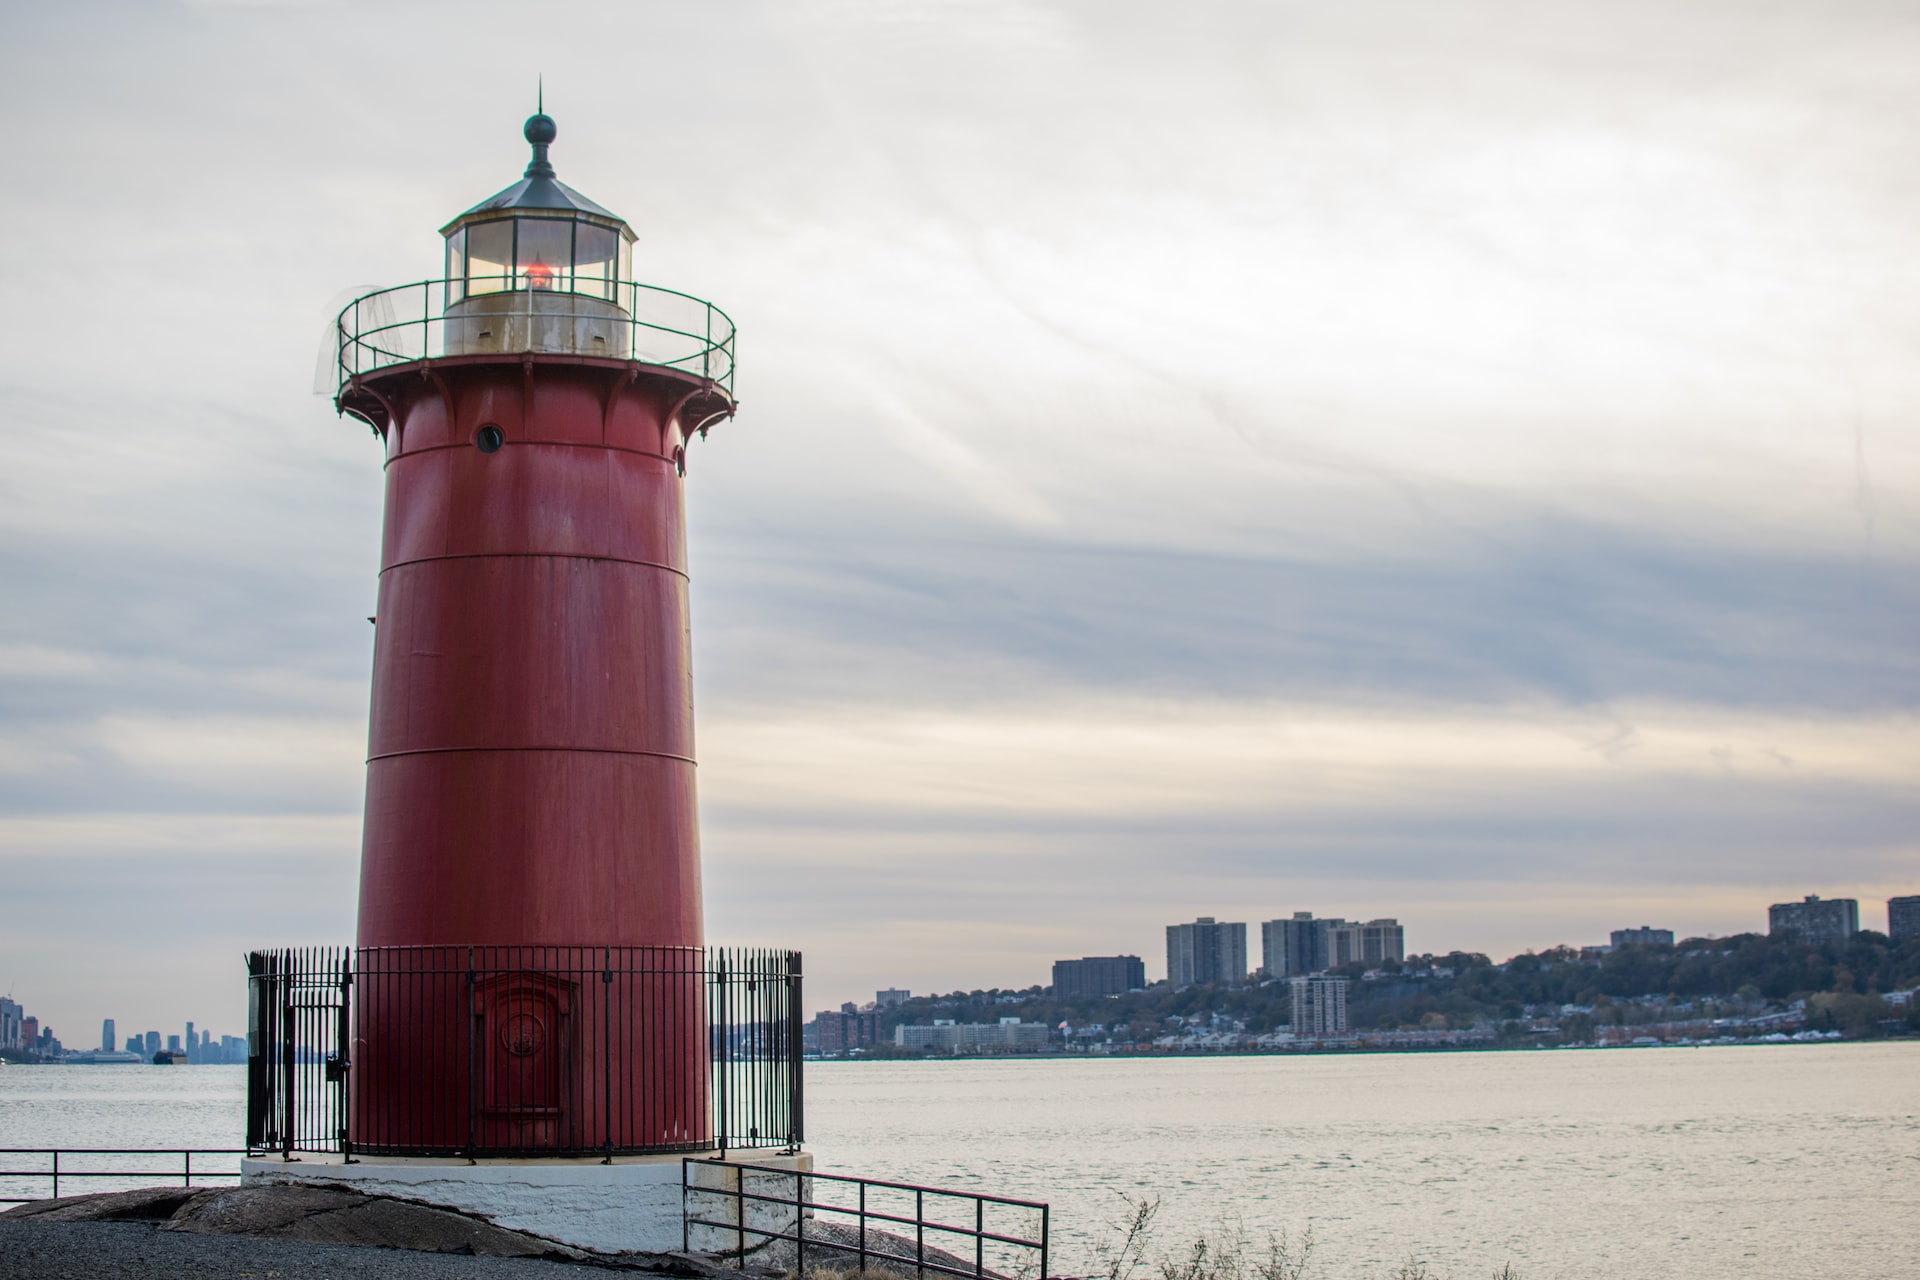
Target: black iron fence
<point x="793" y="1218"/>
<point x="93" y="1168"/>
<point x="523" y="1051"/>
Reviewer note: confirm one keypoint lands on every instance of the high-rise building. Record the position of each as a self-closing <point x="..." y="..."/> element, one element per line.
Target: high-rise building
<point x="891" y="997"/>
<point x="837" y="1032"/>
<point x="108" y="1043"/>
<point x="192" y="1045"/>
<point x="173" y="1044"/>
<point x="1098" y="976"/>
<point x="1375" y="942"/>
<point x="1319" y="1007"/>
<point x="1289" y="948"/>
<point x="10" y="1016"/>
<point x="152" y="1043"/>
<point x="1206" y="951"/>
<point x="1816" y="919"/>
<point x="1641" y="937"/>
<point x="1903" y="917"/>
<point x="29" y="1032"/>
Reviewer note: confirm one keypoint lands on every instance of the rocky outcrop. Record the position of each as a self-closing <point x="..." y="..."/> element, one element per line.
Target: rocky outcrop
<point x="320" y="1215"/>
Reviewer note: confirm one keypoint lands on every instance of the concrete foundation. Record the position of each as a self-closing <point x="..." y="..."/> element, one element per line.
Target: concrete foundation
<point x="630" y="1206"/>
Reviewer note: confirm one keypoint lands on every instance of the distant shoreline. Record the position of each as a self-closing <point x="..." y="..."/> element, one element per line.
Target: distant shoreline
<point x="1347" y="1050"/>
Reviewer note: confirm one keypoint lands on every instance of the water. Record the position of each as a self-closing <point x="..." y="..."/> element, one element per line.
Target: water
<point x="1706" y="1164"/>
<point x="118" y="1106"/>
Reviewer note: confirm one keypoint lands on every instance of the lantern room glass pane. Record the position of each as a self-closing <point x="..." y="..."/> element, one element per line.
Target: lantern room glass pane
<point x="593" y="259"/>
<point x="489" y="255"/>
<point x="545" y="254"/>
<point x="456" y="266"/>
<point x="626" y="258"/>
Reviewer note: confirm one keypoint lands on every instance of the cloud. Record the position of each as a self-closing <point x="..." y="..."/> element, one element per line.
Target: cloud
<point x="1438" y="460"/>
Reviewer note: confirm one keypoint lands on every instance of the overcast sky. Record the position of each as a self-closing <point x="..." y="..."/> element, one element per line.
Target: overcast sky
<point x="1454" y="461"/>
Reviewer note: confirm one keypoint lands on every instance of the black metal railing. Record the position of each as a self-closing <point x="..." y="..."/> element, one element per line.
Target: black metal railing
<point x="794" y="1218"/>
<point x="85" y="1165"/>
<point x="524" y="1051"/>
<point x="433" y="319"/>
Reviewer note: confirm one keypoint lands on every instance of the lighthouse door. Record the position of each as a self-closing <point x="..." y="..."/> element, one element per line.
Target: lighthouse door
<point x="523" y="1033"/>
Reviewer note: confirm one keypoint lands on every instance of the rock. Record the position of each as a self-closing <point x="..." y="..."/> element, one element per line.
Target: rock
<point x="328" y="1215"/>
<point x="146" y="1203"/>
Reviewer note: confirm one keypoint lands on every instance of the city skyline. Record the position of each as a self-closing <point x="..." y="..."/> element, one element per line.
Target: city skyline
<point x="1493" y="507"/>
<point x="1898" y="910"/>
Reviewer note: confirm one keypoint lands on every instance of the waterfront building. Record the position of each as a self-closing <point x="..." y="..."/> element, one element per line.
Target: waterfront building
<point x="173" y="1045"/>
<point x="1289" y="948"/>
<point x="1008" y="1034"/>
<point x="1319" y="1007"/>
<point x="150" y="1044"/>
<point x="1816" y="919"/>
<point x="836" y="1031"/>
<point x="1903" y="917"/>
<point x="1098" y="976"/>
<point x="29" y="1032"/>
<point x="1206" y="952"/>
<point x="10" y="1019"/>
<point x="1641" y="937"/>
<point x="108" y="1043"/>
<point x="1375" y="942"/>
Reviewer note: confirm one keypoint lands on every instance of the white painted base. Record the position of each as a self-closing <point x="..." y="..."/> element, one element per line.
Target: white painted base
<point x="630" y="1206"/>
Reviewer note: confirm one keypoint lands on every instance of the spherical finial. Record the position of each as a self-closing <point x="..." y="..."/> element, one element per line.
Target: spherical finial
<point x="540" y="131"/>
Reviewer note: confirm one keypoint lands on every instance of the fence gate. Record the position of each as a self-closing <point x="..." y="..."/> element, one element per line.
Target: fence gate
<point x="297" y="1036"/>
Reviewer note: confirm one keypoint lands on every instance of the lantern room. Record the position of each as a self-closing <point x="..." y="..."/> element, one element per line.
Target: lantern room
<point x="538" y="267"/>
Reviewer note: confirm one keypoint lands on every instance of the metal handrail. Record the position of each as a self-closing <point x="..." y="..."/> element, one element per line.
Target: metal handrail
<point x="369" y="333"/>
<point x="186" y="1172"/>
<point x="802" y="1204"/>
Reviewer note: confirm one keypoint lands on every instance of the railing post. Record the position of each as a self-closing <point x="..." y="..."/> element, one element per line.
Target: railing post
<point x="721" y="1030"/>
<point x="863" y="1228"/>
<point x="1043" y="1242"/>
<point x="796" y="1056"/>
<point x="979" y="1236"/>
<point x="800" y="1227"/>
<point x="343" y="1040"/>
<point x="606" y="1050"/>
<point x="473" y="1061"/>
<point x="56" y="1175"/>
<point x="288" y="1048"/>
<point x="919" y="1231"/>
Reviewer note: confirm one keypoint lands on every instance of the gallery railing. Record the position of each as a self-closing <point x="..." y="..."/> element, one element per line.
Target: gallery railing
<point x="434" y="319"/>
<point x="523" y="1051"/>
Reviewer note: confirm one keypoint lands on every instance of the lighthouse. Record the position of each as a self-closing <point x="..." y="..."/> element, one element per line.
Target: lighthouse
<point x="530" y="1009"/>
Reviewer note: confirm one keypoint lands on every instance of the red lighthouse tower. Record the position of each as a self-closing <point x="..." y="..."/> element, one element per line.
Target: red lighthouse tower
<point x="530" y="976"/>
<point x="530" y="984"/>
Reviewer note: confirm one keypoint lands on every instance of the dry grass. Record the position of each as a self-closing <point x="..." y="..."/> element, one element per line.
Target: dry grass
<point x="1229" y="1253"/>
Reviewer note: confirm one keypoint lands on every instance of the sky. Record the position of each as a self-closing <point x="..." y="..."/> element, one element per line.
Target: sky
<point x="1449" y="461"/>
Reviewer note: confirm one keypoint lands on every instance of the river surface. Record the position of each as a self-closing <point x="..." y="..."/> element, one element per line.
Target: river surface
<point x="1692" y="1164"/>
